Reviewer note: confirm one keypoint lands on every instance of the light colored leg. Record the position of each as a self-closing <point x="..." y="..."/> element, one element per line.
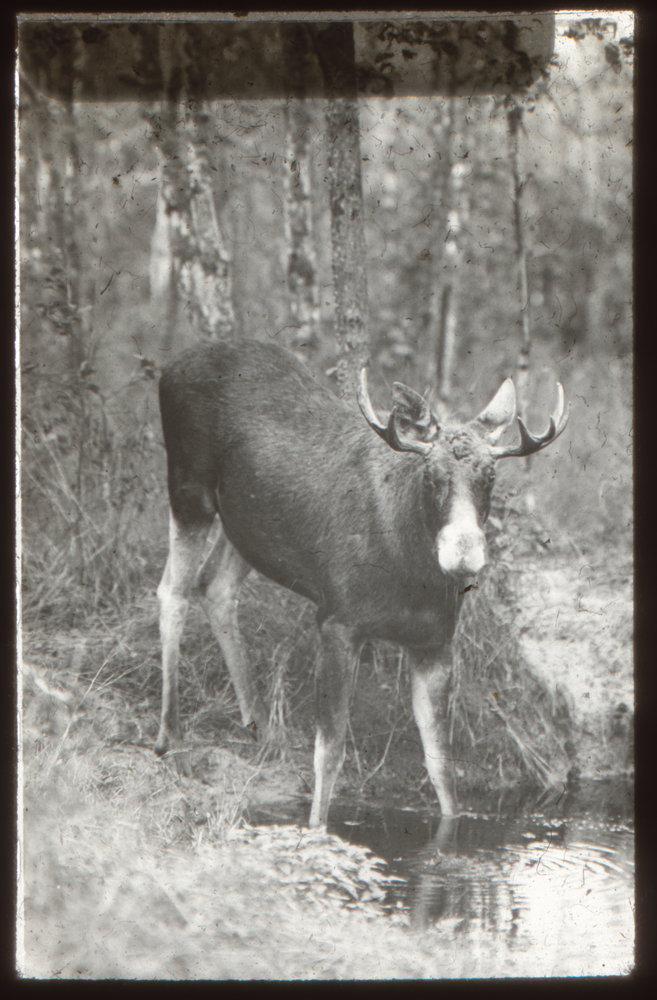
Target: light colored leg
<point x="186" y="549"/>
<point x="335" y="672"/>
<point x="429" y="687"/>
<point x="429" y="897"/>
<point x="220" y="602"/>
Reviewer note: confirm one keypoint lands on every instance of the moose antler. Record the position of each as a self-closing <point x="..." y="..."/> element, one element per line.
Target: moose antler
<point x="530" y="444"/>
<point x="367" y="409"/>
<point x="409" y="409"/>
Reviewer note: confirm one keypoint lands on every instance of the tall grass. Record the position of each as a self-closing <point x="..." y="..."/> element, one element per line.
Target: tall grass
<point x="94" y="546"/>
<point x="93" y="496"/>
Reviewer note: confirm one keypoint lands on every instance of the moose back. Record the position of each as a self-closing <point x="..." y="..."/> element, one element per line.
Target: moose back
<point x="379" y="524"/>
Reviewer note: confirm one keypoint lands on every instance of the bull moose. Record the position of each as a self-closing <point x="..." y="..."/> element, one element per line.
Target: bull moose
<point x="379" y="524"/>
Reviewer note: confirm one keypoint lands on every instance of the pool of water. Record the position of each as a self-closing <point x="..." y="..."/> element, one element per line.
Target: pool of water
<point x="546" y="897"/>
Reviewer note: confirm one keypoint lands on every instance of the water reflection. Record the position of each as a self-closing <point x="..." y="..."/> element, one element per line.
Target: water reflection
<point x="561" y="893"/>
<point x="503" y="895"/>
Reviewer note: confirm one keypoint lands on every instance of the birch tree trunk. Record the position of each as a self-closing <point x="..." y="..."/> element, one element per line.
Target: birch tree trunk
<point x="190" y="262"/>
<point x="205" y="275"/>
<point x="453" y="212"/>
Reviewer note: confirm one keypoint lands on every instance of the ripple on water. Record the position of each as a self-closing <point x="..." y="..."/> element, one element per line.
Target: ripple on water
<point x="508" y="896"/>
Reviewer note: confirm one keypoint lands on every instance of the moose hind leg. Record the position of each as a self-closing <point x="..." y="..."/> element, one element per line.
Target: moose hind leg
<point x="429" y="688"/>
<point x="186" y="547"/>
<point x="220" y="602"/>
<point x="334" y="679"/>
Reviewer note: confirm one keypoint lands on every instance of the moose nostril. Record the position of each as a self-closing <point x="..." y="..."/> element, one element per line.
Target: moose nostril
<point x="461" y="554"/>
<point x="468" y="567"/>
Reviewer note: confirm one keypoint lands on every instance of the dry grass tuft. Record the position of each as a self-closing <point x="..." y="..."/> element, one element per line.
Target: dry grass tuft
<point x="109" y="893"/>
<point x="506" y="724"/>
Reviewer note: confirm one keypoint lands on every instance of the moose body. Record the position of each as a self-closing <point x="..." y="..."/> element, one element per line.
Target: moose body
<point x="268" y="470"/>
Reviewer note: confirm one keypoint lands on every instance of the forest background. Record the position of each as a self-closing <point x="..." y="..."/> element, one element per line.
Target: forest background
<point x="183" y="182"/>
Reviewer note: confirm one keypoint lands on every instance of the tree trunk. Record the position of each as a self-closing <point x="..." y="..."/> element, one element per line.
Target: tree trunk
<point x="71" y="220"/>
<point x="435" y="222"/>
<point x="71" y="225"/>
<point x="446" y="342"/>
<point x="35" y="179"/>
<point x="334" y="46"/>
<point x="440" y="313"/>
<point x="189" y="259"/>
<point x="299" y="236"/>
<point x="452" y="217"/>
<point x="161" y="272"/>
<point x="522" y="376"/>
<point x="206" y="274"/>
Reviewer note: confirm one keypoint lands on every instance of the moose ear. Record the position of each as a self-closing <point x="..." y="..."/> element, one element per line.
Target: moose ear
<point x="414" y="423"/>
<point x="499" y="413"/>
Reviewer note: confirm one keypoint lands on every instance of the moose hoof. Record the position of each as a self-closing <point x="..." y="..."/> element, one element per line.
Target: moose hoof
<point x="258" y="726"/>
<point x="180" y="760"/>
<point x="175" y="756"/>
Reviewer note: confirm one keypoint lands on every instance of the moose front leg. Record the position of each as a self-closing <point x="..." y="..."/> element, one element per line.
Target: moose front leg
<point x="430" y="682"/>
<point x="334" y="678"/>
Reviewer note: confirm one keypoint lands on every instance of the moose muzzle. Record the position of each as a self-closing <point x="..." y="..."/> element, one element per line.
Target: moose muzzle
<point x="461" y="542"/>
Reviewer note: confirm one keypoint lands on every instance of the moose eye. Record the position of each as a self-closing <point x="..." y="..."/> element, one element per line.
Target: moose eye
<point x="440" y="494"/>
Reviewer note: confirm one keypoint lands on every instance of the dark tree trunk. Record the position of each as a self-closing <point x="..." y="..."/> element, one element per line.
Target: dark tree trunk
<point x="334" y="46"/>
<point x="514" y="118"/>
<point x="299" y="236"/>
